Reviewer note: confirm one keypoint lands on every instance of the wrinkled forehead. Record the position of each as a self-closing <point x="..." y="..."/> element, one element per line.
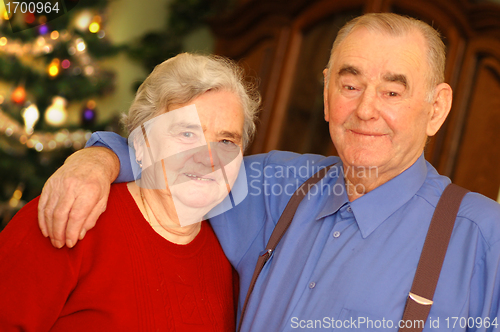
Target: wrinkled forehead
<point x="183" y="116"/>
<point x="382" y="50"/>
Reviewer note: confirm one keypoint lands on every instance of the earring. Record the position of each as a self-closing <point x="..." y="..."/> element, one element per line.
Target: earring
<point x="139" y="162"/>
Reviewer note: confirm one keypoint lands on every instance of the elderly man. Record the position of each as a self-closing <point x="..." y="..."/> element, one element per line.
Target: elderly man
<point x="350" y="254"/>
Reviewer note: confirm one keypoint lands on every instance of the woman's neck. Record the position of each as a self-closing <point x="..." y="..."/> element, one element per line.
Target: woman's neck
<point x="159" y="211"/>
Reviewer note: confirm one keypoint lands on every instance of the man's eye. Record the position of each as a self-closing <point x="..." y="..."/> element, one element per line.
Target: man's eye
<point x="349" y="87"/>
<point x="227" y="142"/>
<point x="228" y="145"/>
<point x="392" y="94"/>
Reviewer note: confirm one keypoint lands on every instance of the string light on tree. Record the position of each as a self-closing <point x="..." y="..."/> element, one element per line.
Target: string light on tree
<point x="30" y="116"/>
<point x="83" y="20"/>
<point x="16" y="196"/>
<point x="56" y="114"/>
<point x="80" y="45"/>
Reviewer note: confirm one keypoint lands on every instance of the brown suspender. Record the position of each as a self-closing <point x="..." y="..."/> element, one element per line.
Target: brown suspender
<point x="431" y="260"/>
<point x="419" y="302"/>
<point x="280" y="229"/>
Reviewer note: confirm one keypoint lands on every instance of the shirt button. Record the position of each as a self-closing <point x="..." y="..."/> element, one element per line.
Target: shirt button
<point x="349" y="209"/>
<point x="336" y="234"/>
<point x="312" y="285"/>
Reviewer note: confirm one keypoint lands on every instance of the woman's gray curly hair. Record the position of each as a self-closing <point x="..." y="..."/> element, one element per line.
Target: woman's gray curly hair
<point x="186" y="76"/>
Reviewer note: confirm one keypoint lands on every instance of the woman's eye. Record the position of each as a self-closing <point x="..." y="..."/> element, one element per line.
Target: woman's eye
<point x="187" y="134"/>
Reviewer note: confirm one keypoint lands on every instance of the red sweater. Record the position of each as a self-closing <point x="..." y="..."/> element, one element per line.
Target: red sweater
<point x="122" y="277"/>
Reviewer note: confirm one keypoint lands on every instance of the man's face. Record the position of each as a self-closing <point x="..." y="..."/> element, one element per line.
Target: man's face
<point x="376" y="100"/>
<point x="196" y="149"/>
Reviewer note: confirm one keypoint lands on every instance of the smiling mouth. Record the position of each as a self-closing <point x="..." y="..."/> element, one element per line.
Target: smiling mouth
<point x="367" y="134"/>
<point x="197" y="178"/>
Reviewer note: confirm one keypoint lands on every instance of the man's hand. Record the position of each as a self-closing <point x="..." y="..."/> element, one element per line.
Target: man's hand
<point x="76" y="195"/>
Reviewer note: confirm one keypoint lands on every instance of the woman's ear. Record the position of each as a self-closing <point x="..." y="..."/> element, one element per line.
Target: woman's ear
<point x="441" y="106"/>
<point x="139" y="149"/>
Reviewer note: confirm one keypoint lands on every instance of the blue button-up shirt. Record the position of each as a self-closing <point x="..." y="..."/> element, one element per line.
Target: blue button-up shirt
<point x="350" y="265"/>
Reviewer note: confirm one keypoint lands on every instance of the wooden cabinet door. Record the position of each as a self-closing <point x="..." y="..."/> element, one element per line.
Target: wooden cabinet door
<point x="287" y="44"/>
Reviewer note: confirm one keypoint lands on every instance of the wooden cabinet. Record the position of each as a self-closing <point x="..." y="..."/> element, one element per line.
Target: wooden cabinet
<point x="286" y="44"/>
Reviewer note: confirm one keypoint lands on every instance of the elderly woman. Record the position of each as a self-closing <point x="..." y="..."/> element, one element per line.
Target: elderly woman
<point x="152" y="264"/>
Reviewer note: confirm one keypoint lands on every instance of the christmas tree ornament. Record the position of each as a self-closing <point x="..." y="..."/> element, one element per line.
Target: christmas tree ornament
<point x="53" y="67"/>
<point x="56" y="114"/>
<point x="18" y="95"/>
<point x="54" y="35"/>
<point x="94" y="27"/>
<point x="89" y="114"/>
<point x="30" y="116"/>
<point x="51" y="58"/>
<point x="43" y="29"/>
<point x="65" y="63"/>
<point x="29" y="18"/>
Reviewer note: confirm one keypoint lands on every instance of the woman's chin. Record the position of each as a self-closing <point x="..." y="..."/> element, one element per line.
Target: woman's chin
<point x="201" y="204"/>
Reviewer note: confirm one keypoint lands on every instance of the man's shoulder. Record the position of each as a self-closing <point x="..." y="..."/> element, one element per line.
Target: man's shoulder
<point x="475" y="208"/>
<point x="290" y="160"/>
<point x="484" y="212"/>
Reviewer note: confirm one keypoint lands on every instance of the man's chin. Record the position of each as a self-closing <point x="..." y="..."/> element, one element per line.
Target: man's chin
<point x="364" y="159"/>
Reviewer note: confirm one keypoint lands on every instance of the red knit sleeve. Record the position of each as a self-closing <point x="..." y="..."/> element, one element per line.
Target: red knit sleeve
<point x="35" y="278"/>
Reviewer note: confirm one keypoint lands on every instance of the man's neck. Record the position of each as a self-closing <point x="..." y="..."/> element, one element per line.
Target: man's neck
<point x="357" y="186"/>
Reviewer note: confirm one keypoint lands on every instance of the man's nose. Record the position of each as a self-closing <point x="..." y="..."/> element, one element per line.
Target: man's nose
<point x="368" y="106"/>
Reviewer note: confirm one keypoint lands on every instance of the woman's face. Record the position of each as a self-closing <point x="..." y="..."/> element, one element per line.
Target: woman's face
<point x="196" y="150"/>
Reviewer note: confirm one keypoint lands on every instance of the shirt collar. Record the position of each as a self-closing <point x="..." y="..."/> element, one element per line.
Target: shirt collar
<point x="338" y="195"/>
<point x="371" y="209"/>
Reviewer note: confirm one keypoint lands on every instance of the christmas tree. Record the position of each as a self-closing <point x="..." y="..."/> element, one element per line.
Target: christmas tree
<point x="47" y="64"/>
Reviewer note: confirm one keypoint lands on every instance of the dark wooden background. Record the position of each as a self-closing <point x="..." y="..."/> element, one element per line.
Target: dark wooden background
<point x="286" y="44"/>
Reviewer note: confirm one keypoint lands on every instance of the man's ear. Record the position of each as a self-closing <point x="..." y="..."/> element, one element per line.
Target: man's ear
<point x="441" y="107"/>
<point x="325" y="95"/>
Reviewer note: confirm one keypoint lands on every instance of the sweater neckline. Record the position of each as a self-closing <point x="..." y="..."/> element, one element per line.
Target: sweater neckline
<point x="140" y="224"/>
